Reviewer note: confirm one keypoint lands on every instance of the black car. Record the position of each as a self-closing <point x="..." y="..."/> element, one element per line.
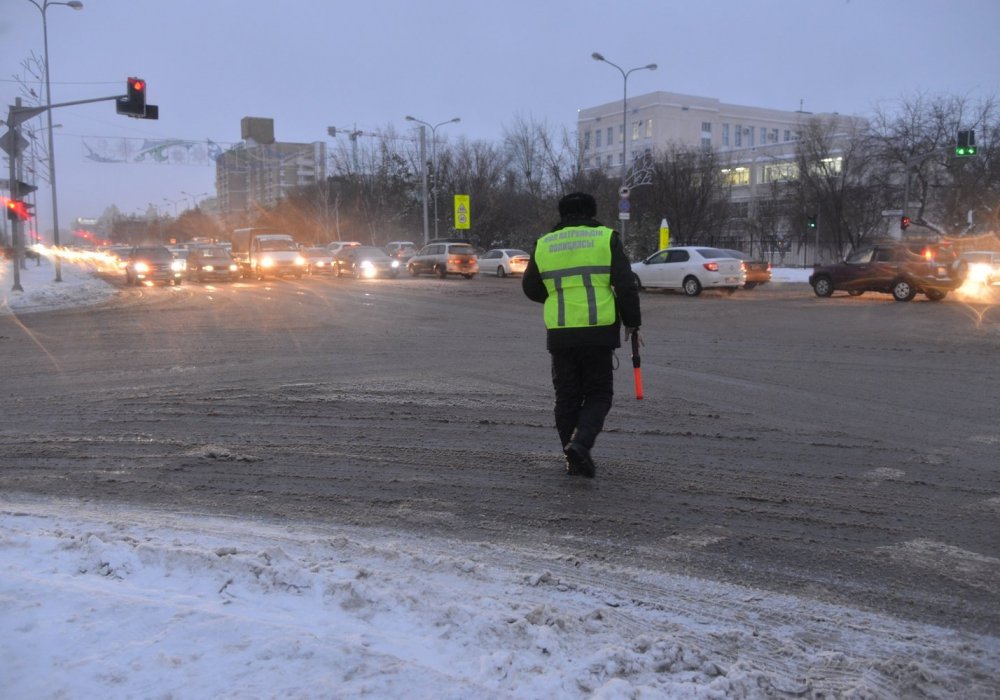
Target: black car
<point x="890" y="268"/>
<point x="153" y="264"/>
<point x="211" y="263"/>
<point x="362" y="262"/>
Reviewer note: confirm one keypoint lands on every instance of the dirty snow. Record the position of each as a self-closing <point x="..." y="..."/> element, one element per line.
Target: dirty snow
<point x="117" y="602"/>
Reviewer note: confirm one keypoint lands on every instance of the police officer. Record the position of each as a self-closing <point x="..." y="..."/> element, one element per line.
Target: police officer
<point x="580" y="272"/>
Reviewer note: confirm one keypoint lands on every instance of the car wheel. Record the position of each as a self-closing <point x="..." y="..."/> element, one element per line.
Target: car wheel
<point x="692" y="287"/>
<point x="412" y="269"/>
<point x="936" y="294"/>
<point x="903" y="290"/>
<point x="749" y="285"/>
<point x="823" y="286"/>
<point x="638" y="282"/>
<point x="469" y="276"/>
<point x="501" y="272"/>
<point x="440" y="271"/>
<point x="855" y="292"/>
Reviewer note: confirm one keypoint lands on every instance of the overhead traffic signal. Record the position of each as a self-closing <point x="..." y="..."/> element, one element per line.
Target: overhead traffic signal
<point x="134" y="102"/>
<point x="966" y="143"/>
<point x="17" y="209"/>
<point x="811" y="222"/>
<point x="904" y="222"/>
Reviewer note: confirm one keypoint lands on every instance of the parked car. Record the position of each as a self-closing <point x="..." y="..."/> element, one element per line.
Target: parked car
<point x="504" y="261"/>
<point x="982" y="266"/>
<point x="890" y="268"/>
<point x="401" y="250"/>
<point x="338" y="246"/>
<point x="445" y="258"/>
<point x="691" y="269"/>
<point x="153" y="264"/>
<point x="211" y="263"/>
<point x="365" y="262"/>
<point x="758" y="271"/>
<point x="319" y="261"/>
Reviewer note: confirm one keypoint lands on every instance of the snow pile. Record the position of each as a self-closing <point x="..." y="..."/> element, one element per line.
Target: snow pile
<point x="79" y="287"/>
<point x="117" y="602"/>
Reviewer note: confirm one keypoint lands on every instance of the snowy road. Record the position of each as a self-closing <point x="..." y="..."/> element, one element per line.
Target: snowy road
<point x="809" y="483"/>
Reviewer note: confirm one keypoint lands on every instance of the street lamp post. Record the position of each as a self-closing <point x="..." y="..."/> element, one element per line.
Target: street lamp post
<point x="433" y="128"/>
<point x="173" y="203"/>
<point x="45" y="5"/>
<point x="194" y="203"/>
<point x="625" y="73"/>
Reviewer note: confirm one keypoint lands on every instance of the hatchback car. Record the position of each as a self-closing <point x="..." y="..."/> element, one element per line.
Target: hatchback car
<point x="338" y="246"/>
<point x="211" y="263"/>
<point x="401" y="250"/>
<point x="691" y="269"/>
<point x="758" y="271"/>
<point x="365" y="262"/>
<point x="443" y="259"/>
<point x="319" y="261"/>
<point x="504" y="261"/>
<point x="153" y="264"/>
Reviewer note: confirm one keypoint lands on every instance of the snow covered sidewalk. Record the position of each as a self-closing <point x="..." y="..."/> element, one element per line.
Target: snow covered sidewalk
<point x="116" y="602"/>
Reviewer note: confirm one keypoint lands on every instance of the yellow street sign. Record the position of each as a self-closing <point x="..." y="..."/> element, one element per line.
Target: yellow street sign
<point x="463" y="214"/>
<point x="664" y="234"/>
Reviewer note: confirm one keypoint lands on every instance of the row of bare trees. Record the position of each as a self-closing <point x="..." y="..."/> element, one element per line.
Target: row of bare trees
<point x="848" y="173"/>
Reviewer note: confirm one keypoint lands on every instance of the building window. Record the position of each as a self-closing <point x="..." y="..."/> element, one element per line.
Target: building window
<point x="763" y="135"/>
<point x="597" y="138"/>
<point x="736" y="176"/>
<point x="706" y="143"/>
<point x="706" y="127"/>
<point x="609" y="161"/>
<point x="725" y="134"/>
<point x="586" y="163"/>
<point x="636" y="127"/>
<point x="611" y="135"/>
<point x="621" y="133"/>
<point x="778" y="172"/>
<point x="738" y="135"/>
<point x="649" y="128"/>
<point x="788" y="135"/>
<point x="749" y="133"/>
<point x="774" y="136"/>
<point x="586" y="140"/>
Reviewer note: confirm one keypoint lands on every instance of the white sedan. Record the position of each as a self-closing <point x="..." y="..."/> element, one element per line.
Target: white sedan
<point x="691" y="269"/>
<point x="504" y="261"/>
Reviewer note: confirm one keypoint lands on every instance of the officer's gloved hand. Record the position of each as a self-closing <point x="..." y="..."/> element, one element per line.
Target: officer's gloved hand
<point x="629" y="332"/>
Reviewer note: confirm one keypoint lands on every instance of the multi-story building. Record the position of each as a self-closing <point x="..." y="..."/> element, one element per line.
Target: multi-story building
<point x="260" y="171"/>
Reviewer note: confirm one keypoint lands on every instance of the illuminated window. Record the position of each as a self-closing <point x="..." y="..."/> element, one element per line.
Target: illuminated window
<point x="778" y="172"/>
<point x="636" y="126"/>
<point x="649" y="128"/>
<point x="736" y="176"/>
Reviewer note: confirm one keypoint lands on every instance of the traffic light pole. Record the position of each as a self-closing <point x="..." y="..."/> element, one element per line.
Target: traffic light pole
<point x="17" y="115"/>
<point x="910" y="162"/>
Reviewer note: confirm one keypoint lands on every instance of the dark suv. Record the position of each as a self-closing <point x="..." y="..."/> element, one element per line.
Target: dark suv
<point x="900" y="269"/>
<point x="211" y="263"/>
<point x="443" y="258"/>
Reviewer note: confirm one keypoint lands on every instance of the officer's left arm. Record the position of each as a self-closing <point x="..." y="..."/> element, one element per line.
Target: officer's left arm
<point x="532" y="284"/>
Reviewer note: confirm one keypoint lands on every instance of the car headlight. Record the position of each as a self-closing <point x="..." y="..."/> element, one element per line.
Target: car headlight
<point x="233" y="267"/>
<point x="141" y="267"/>
<point x="299" y="260"/>
<point x="177" y="266"/>
<point x="395" y="264"/>
<point x="267" y="261"/>
<point x="366" y="264"/>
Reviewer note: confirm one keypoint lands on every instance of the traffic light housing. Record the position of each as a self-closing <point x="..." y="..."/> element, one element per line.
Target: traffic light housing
<point x="811" y="222"/>
<point x="134" y="102"/>
<point x="17" y="209"/>
<point x="904" y="222"/>
<point x="966" y="143"/>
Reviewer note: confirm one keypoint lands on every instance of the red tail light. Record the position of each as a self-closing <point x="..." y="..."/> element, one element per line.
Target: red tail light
<point x="712" y="266"/>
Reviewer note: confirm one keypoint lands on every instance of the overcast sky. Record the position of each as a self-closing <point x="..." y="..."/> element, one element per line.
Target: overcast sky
<point x="310" y="64"/>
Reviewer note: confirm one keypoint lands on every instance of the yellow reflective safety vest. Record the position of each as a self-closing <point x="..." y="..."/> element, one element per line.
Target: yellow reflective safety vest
<point x="575" y="265"/>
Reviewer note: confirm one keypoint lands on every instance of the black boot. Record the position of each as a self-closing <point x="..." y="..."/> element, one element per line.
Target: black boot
<point x="578" y="457"/>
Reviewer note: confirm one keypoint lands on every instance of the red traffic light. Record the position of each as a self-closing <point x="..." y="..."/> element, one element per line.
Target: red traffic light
<point x="138" y="84"/>
<point x="904" y="222"/>
<point x="17" y="210"/>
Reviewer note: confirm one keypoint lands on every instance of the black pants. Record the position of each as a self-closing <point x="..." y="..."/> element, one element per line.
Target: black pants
<point x="584" y="381"/>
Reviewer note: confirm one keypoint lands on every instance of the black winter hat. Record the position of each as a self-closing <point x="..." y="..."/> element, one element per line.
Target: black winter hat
<point x="578" y="204"/>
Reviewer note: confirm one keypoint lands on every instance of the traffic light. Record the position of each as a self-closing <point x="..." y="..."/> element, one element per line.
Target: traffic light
<point x="134" y="102"/>
<point x="904" y="222"/>
<point x="966" y="143"/>
<point x="811" y="222"/>
<point x="17" y="210"/>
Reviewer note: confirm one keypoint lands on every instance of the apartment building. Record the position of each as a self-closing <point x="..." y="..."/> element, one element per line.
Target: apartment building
<point x="260" y="171"/>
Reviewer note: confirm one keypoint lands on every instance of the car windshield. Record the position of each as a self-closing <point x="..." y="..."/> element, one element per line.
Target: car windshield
<point x="736" y="254"/>
<point x="318" y="253"/>
<point x="213" y="253"/>
<point x="277" y="244"/>
<point x="367" y="252"/>
<point x="462" y="249"/>
<point x="153" y="254"/>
